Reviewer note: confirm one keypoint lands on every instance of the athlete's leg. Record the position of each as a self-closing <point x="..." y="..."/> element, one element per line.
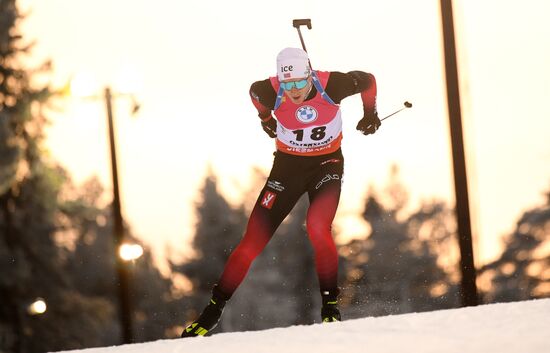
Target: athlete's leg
<point x="324" y="196"/>
<point x="277" y="198"/>
<point x="261" y="226"/>
<point x="279" y="195"/>
<point x="321" y="212"/>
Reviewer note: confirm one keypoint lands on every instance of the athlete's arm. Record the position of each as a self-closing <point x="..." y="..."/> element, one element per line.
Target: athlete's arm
<point x="341" y="85"/>
<point x="263" y="97"/>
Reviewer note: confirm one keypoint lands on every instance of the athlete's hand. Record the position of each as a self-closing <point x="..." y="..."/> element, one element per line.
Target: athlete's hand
<point x="369" y="124"/>
<point x="270" y="127"/>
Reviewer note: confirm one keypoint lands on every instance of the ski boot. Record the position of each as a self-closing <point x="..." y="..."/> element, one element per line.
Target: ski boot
<point x="209" y="317"/>
<point x="329" y="311"/>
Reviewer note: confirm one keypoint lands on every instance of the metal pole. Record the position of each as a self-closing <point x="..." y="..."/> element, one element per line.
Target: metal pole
<point x="118" y="233"/>
<point x="406" y="105"/>
<point x="468" y="283"/>
<point x="302" y="22"/>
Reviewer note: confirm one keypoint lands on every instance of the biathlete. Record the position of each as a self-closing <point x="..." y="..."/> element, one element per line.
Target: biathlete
<point x="300" y="108"/>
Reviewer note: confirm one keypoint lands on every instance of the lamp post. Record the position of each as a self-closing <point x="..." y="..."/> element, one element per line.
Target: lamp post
<point x="123" y="288"/>
<point x="82" y="86"/>
<point x="467" y="266"/>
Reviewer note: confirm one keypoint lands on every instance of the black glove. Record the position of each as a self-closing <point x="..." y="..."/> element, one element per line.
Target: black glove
<point x="270" y="127"/>
<point x="369" y="124"/>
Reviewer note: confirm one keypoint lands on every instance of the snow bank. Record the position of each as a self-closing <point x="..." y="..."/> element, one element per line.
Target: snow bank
<point x="500" y="328"/>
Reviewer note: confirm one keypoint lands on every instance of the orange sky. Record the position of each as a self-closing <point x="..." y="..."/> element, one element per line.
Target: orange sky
<point x="191" y="69"/>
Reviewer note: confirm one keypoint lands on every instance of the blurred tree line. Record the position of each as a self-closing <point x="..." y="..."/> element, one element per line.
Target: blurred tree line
<point x="56" y="243"/>
<point x="55" y="238"/>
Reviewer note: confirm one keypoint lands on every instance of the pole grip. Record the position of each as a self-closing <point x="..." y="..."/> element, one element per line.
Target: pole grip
<point x="302" y="22"/>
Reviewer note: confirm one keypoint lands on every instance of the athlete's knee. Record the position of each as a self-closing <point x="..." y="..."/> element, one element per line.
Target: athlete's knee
<point x="318" y="228"/>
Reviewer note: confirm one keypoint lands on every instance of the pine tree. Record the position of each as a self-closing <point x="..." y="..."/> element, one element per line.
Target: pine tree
<point x="395" y="270"/>
<point x="522" y="271"/>
<point x="30" y="258"/>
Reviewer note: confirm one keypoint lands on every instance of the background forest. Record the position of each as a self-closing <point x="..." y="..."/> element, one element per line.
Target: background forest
<point x="56" y="244"/>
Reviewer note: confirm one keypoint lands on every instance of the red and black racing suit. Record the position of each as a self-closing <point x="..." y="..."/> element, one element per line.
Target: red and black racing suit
<point x="298" y="168"/>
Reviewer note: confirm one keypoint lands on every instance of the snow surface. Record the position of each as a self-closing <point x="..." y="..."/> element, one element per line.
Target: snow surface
<point x="501" y="328"/>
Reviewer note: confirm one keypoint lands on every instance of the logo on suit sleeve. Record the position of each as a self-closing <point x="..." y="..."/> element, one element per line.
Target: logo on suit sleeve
<point x="268" y="199"/>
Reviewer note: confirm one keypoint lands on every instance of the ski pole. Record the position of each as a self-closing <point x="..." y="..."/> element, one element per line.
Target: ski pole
<point x="406" y="105"/>
<point x="297" y="24"/>
<point x="302" y="22"/>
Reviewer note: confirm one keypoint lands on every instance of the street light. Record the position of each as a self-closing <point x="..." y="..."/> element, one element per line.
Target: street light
<point x="37" y="307"/>
<point x="118" y="229"/>
<point x="130" y="252"/>
<point x="81" y="86"/>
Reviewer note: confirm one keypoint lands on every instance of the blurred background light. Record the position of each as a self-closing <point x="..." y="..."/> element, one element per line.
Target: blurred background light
<point x="129" y="252"/>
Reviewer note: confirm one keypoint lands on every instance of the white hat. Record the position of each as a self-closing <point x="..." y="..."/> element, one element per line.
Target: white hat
<point x="292" y="63"/>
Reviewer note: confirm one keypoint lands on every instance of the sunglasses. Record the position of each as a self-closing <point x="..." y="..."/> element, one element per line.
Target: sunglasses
<point x="298" y="84"/>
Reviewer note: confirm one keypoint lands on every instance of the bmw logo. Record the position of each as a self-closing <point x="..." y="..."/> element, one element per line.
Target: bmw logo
<point x="306" y="114"/>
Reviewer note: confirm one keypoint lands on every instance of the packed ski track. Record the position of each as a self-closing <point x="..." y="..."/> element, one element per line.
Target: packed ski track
<point x="500" y="328"/>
